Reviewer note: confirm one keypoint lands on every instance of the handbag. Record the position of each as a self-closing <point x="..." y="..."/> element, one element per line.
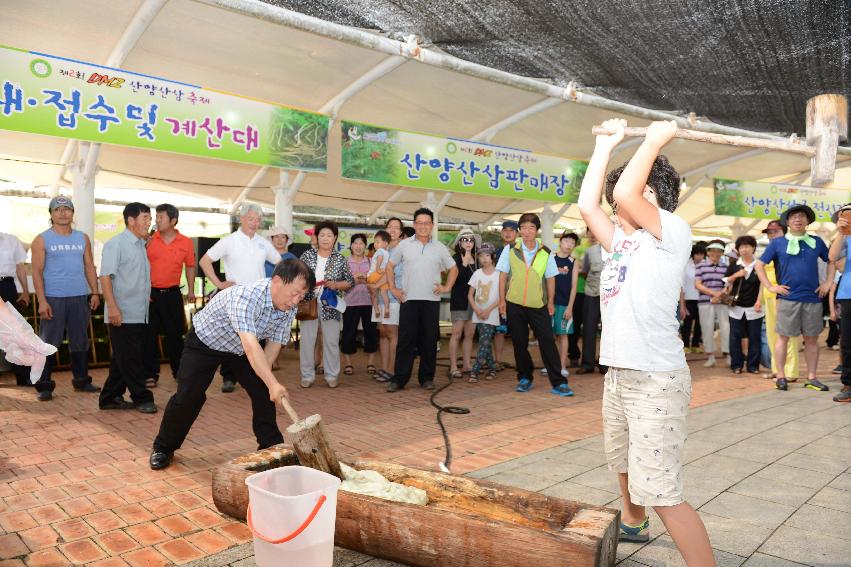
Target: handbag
<point x="307" y="310"/>
<point x="729" y="298"/>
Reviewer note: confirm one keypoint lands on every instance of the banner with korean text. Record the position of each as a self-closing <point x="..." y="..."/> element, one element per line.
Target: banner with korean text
<point x="45" y="94"/>
<point x="757" y="200"/>
<point x="384" y="155"/>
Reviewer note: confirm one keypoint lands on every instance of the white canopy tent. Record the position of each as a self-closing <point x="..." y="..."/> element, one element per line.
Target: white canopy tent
<point x="265" y="52"/>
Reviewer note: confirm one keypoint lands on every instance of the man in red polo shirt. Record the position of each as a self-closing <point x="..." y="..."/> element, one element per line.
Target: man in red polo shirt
<point x="168" y="252"/>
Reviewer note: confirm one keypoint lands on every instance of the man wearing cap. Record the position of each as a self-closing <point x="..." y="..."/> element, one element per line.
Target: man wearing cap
<point x="12" y="264"/>
<point x="769" y="304"/>
<point x="509" y="237"/>
<point x="799" y="309"/>
<point x="169" y="254"/>
<point x="708" y="279"/>
<point x="66" y="290"/>
<point x="280" y="239"/>
<point x="839" y="249"/>
<point x="244" y="253"/>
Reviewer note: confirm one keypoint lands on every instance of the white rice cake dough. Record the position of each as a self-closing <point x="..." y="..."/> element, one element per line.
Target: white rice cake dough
<point x="371" y="483"/>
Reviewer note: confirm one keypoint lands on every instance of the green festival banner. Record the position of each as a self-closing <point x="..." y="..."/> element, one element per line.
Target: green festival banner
<point x="759" y="200"/>
<point x="384" y="155"/>
<point x="45" y="94"/>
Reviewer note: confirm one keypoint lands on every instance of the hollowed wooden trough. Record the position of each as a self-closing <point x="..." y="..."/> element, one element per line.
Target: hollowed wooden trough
<point x="468" y="522"/>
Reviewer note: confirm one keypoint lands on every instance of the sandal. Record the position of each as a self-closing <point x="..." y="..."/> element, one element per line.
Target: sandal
<point x="383" y="376"/>
<point x="474" y="377"/>
<point x="349" y="370"/>
<point x="150" y="383"/>
<point x="370" y="369"/>
<point x="455" y="374"/>
<point x="491" y="374"/>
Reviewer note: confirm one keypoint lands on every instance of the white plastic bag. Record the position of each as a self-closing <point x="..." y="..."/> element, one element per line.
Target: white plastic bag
<point x="20" y="342"/>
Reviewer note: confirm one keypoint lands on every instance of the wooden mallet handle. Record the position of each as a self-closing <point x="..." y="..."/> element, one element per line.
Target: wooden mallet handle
<point x="740" y="141"/>
<point x="289" y="409"/>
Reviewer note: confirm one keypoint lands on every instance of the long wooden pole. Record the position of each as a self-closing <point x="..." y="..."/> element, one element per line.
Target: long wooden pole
<point x="740" y="141"/>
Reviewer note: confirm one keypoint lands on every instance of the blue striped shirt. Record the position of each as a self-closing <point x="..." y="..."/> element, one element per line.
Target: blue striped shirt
<point x="242" y="309"/>
<point x="710" y="276"/>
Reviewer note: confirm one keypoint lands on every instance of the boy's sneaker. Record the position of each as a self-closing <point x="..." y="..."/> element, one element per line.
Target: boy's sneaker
<point x="837" y="370"/>
<point x="710" y="362"/>
<point x="781" y="384"/>
<point x="815" y="385"/>
<point x="637" y="534"/>
<point x="562" y="390"/>
<point x="524" y="385"/>
<point x="844" y="395"/>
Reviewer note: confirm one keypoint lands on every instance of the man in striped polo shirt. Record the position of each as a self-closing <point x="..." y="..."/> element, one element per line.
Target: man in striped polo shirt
<point x="708" y="280"/>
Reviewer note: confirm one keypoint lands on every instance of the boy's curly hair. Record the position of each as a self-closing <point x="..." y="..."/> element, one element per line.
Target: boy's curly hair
<point x="663" y="178"/>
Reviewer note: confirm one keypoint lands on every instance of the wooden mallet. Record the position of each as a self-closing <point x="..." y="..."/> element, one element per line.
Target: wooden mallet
<point x="310" y="441"/>
<point x="827" y="124"/>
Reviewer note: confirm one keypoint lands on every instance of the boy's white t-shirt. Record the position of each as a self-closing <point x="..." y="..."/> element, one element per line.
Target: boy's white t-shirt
<point x="486" y="293"/>
<point x="639" y="296"/>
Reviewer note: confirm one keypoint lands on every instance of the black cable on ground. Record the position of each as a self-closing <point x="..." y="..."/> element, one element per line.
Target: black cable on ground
<point x="456" y="410"/>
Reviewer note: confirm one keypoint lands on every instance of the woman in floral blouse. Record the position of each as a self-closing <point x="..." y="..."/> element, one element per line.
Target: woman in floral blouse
<point x="332" y="272"/>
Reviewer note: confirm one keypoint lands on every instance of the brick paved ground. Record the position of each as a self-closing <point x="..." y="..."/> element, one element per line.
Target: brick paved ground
<point x="75" y="486"/>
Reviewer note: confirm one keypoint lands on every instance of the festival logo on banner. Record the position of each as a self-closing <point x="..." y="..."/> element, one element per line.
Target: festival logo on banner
<point x="383" y="155"/>
<point x="758" y="200"/>
<point x="44" y="94"/>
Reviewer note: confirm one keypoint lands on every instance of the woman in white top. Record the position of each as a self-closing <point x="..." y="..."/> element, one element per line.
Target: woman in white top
<point x="746" y="312"/>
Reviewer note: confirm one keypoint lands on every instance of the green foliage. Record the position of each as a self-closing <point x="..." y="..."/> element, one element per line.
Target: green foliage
<point x="370" y="160"/>
<point x="299" y="139"/>
<point x="729" y="199"/>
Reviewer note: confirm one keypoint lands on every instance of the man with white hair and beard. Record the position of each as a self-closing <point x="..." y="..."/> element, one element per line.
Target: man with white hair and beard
<point x="244" y="253"/>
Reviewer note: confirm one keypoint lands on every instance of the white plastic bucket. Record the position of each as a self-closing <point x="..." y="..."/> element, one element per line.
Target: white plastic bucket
<point x="292" y="512"/>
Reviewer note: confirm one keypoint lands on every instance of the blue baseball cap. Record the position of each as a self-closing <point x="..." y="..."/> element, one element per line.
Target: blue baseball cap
<point x="510" y="224"/>
<point x="60" y="201"/>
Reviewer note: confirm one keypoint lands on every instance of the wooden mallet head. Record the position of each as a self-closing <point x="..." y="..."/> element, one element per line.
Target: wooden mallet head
<point x="311" y="443"/>
<point x="827" y="124"/>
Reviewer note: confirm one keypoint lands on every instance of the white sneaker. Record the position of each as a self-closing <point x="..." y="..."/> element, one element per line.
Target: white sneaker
<point x="565" y="373"/>
<point x="544" y="372"/>
<point x="710" y="362"/>
<point x="306" y="383"/>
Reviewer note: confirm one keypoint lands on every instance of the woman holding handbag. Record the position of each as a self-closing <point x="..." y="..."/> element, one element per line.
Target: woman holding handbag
<point x="742" y="295"/>
<point x="332" y="278"/>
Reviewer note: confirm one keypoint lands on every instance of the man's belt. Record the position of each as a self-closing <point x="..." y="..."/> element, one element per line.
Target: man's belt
<point x="166" y="289"/>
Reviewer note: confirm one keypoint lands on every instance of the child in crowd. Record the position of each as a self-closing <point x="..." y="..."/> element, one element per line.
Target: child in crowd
<point x="566" y="284"/>
<point x="376" y="274"/>
<point x="484" y="299"/>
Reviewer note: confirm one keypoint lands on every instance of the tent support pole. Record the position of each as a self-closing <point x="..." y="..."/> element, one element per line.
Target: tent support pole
<point x="83" y="187"/>
<point x="353" y="36"/>
<point x="284" y="203"/>
<point x="134" y="30"/>
<point x="547" y="226"/>
<point x="333" y="107"/>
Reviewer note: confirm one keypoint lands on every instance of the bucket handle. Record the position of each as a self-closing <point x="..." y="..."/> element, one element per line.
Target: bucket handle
<point x="293" y="535"/>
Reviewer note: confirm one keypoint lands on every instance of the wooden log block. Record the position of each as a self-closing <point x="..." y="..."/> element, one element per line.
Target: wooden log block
<point x="468" y="522"/>
<point x="827" y="124"/>
<point x="230" y="495"/>
<point x="310" y="440"/>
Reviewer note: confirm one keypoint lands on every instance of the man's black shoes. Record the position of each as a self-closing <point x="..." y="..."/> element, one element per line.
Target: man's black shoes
<point x="147" y="407"/>
<point x="160" y="460"/>
<point x="118" y="404"/>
